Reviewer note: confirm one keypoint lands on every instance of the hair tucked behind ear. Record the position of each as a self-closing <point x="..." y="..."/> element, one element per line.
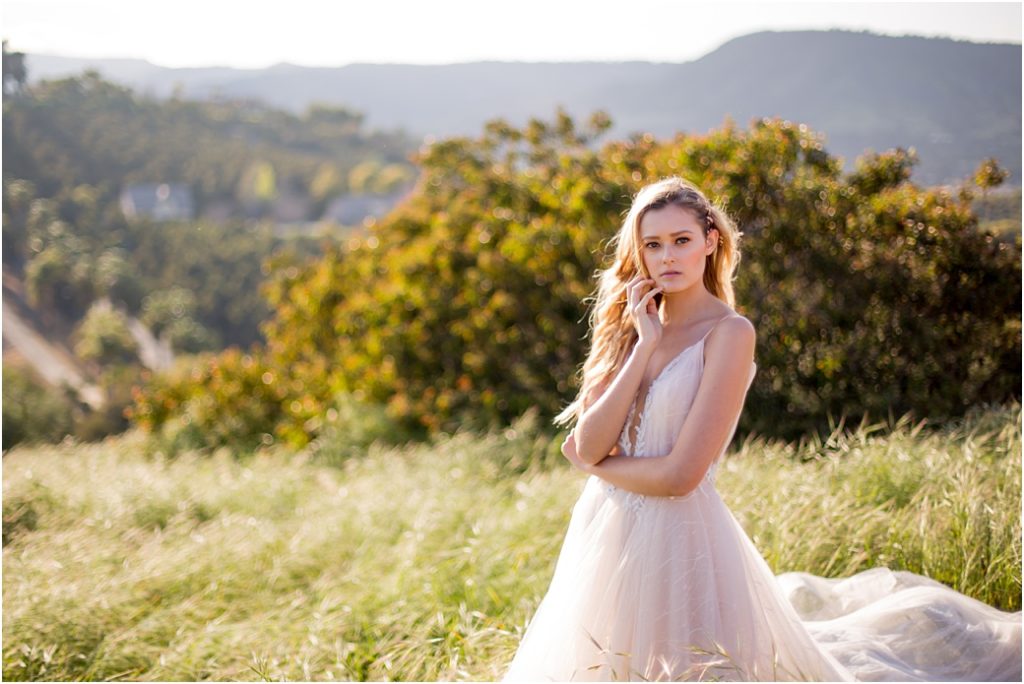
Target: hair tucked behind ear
<point x="612" y="332"/>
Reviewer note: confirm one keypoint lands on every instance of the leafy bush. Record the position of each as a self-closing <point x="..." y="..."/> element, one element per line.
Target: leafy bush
<point x="230" y="399"/>
<point x="349" y="427"/>
<point x="117" y="383"/>
<point x="870" y="294"/>
<point x="36" y="412"/>
<point x="462" y="309"/>
<point x="170" y="313"/>
<point x="103" y="336"/>
<point x="32" y="411"/>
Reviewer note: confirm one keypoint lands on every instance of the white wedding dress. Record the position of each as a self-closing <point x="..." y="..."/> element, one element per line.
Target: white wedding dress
<point x="671" y="588"/>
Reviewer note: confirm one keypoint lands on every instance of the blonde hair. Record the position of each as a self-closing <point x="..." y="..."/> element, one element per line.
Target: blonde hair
<point x="612" y="332"/>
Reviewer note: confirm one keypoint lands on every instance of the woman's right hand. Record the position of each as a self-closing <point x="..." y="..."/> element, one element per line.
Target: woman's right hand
<point x="643" y="310"/>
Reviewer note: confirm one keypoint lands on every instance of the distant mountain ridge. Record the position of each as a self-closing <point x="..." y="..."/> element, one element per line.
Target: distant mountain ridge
<point x="956" y="102"/>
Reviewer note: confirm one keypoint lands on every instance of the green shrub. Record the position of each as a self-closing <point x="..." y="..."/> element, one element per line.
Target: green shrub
<point x="871" y="296"/>
<point x="206" y="401"/>
<point x="349" y="427"/>
<point x="464" y="308"/>
<point x="103" y="336"/>
<point x="32" y="411"/>
<point x="117" y="383"/>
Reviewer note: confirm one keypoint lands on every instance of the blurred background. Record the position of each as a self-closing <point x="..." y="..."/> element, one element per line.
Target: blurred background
<point x="239" y="223"/>
<point x="291" y="292"/>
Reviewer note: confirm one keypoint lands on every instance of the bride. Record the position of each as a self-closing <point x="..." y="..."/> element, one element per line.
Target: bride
<point x="656" y="579"/>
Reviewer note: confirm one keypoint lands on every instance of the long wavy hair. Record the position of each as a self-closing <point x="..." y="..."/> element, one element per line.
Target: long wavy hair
<point x="612" y="332"/>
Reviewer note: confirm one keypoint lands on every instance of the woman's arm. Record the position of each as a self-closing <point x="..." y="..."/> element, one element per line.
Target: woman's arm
<point x="707" y="428"/>
<point x="600" y="425"/>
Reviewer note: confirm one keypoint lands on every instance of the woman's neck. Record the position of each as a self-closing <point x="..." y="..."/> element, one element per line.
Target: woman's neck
<point x="680" y="309"/>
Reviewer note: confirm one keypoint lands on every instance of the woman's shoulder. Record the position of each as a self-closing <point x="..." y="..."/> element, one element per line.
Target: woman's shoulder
<point x="736" y="323"/>
<point x="733" y="330"/>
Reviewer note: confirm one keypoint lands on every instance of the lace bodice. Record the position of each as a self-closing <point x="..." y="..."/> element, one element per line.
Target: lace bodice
<point x="663" y="410"/>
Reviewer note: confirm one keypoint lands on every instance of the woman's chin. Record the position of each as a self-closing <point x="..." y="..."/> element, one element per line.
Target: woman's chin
<point x="671" y="285"/>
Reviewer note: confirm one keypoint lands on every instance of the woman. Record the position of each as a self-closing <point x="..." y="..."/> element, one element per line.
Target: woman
<point x="656" y="579"/>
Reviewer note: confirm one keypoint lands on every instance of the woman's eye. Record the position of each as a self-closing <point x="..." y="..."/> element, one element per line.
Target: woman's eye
<point x="651" y="245"/>
<point x="683" y="239"/>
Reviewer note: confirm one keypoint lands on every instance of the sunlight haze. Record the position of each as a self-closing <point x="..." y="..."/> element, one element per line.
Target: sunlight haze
<point x="259" y="33"/>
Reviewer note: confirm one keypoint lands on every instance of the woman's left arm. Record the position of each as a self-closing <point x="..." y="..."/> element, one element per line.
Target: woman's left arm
<point x="729" y="354"/>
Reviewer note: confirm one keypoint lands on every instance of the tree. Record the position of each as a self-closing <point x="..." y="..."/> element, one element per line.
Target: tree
<point x="103" y="337"/>
<point x="988" y="175"/>
<point x="170" y="314"/>
<point x="15" y="73"/>
<point x="116" y="279"/>
<point x="32" y="410"/>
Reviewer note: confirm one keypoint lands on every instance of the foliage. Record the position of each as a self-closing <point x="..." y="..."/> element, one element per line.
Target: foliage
<point x="999" y="213"/>
<point x="487" y="249"/>
<point x="71" y="145"/>
<point x="103" y="336"/>
<point x="32" y="411"/>
<point x="59" y="264"/>
<point x="871" y="296"/>
<point x="220" y="265"/>
<point x="84" y="130"/>
<point x="230" y="399"/>
<point x="372" y="177"/>
<point x="114" y="278"/>
<point x="14" y="70"/>
<point x="73" y="252"/>
<point x="990" y="174"/>
<point x="170" y="313"/>
<point x="349" y="427"/>
<point x="424" y="563"/>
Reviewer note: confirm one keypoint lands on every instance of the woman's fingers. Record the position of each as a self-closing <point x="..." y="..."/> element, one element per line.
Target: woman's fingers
<point x="633" y="288"/>
<point x="644" y="304"/>
<point x="640" y="301"/>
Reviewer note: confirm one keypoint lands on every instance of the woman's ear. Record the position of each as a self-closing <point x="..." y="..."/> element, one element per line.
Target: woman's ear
<point x="711" y="241"/>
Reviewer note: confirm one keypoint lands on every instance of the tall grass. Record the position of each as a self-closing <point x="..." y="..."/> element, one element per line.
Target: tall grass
<point x="424" y="562"/>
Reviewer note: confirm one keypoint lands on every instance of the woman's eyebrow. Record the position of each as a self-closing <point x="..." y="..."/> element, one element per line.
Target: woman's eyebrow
<point x="678" y="232"/>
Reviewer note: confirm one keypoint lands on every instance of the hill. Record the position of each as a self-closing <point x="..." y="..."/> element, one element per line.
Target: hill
<point x="956" y="102"/>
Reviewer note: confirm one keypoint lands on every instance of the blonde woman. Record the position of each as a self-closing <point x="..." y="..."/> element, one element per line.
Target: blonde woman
<point x="656" y="579"/>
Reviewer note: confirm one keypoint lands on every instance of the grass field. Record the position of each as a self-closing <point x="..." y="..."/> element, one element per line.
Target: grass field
<point x="424" y="562"/>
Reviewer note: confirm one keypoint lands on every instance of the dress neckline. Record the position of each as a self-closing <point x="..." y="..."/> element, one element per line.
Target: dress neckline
<point x="650" y="388"/>
<point x="685" y="349"/>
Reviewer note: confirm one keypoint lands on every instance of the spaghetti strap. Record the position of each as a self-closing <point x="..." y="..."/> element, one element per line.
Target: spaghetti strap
<point x="733" y="314"/>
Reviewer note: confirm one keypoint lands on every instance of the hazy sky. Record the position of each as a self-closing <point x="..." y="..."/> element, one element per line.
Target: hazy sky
<point x="258" y="33"/>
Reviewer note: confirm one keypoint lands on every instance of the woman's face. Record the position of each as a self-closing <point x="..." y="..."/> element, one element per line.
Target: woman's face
<point x="674" y="247"/>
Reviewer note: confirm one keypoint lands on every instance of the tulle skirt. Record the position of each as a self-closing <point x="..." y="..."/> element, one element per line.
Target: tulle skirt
<point x="671" y="588"/>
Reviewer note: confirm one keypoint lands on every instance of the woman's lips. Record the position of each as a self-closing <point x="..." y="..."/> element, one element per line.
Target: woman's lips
<point x="670" y="274"/>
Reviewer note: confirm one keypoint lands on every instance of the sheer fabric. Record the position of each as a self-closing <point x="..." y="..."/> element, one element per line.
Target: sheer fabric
<point x="670" y="588"/>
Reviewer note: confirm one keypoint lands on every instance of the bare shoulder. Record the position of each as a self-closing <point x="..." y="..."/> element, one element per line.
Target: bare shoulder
<point x="737" y="326"/>
<point x="735" y="336"/>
